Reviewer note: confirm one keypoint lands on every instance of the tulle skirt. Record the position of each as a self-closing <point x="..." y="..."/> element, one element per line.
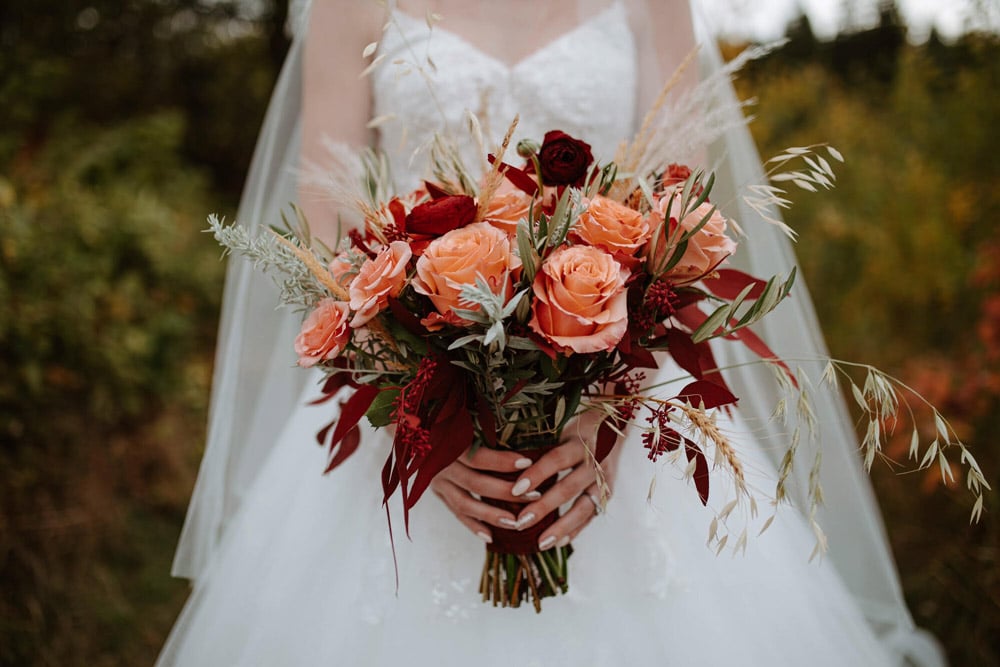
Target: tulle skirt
<point x="305" y="576"/>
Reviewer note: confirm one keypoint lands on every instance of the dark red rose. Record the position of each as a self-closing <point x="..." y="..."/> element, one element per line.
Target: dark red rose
<point x="676" y="174"/>
<point x="440" y="216"/>
<point x="563" y="159"/>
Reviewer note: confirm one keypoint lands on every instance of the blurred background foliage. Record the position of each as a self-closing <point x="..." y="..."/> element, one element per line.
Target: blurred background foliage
<point x="124" y="122"/>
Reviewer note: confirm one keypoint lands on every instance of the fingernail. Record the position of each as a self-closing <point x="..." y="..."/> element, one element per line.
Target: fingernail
<point x="563" y="542"/>
<point x="520" y="487"/>
<point x="509" y="523"/>
<point x="485" y="537"/>
<point x="525" y="520"/>
<point x="547" y="542"/>
<point x="521" y="464"/>
<point x="532" y="495"/>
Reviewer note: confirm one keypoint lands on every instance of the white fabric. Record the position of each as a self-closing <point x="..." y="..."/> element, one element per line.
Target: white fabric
<point x="293" y="567"/>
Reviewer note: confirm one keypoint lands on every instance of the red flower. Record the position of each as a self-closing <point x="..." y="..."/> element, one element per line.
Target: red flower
<point x="440" y="216"/>
<point x="676" y="174"/>
<point x="563" y="160"/>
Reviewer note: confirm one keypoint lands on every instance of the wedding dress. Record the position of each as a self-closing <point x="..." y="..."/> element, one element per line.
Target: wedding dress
<point x="292" y="567"/>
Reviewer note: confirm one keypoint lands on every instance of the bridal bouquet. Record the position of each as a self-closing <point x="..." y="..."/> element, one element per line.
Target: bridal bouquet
<point x="490" y="312"/>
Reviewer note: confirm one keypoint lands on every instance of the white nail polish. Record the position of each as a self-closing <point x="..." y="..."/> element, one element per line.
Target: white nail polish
<point x="563" y="542"/>
<point x="525" y="520"/>
<point x="547" y="542"/>
<point x="520" y="487"/>
<point x="521" y="464"/>
<point x="485" y="537"/>
<point x="532" y="495"/>
<point x="508" y="523"/>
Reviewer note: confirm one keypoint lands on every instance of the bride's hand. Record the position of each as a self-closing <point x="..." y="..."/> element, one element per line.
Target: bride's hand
<point x="469" y="475"/>
<point x="581" y="484"/>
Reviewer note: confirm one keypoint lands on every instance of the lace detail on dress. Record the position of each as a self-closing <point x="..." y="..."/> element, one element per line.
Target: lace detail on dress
<point x="583" y="82"/>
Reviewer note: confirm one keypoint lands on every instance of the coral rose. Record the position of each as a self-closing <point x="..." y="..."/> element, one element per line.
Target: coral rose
<point x="377" y="280"/>
<point x="507" y="207"/>
<point x="614" y="228"/>
<point x="705" y="251"/>
<point x="455" y="260"/>
<point x="581" y="302"/>
<point x="344" y="267"/>
<point x="676" y="175"/>
<point x="324" y="333"/>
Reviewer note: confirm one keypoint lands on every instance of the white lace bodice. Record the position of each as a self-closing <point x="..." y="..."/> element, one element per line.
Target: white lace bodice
<point x="584" y="83"/>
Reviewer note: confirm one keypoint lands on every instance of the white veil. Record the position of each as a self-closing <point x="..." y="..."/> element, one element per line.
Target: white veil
<point x="255" y="383"/>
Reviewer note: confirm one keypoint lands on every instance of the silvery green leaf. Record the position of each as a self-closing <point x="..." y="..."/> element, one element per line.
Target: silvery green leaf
<point x="709" y="326"/>
<point x="512" y="305"/>
<point x="471" y="315"/>
<point x="521" y="343"/>
<point x="464" y="340"/>
<point x="495" y="333"/>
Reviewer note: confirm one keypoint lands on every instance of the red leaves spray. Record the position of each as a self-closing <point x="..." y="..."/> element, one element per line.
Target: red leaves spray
<point x="345" y="428"/>
<point x="433" y="427"/>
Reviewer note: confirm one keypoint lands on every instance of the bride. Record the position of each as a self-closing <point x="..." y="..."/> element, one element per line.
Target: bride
<point x="290" y="567"/>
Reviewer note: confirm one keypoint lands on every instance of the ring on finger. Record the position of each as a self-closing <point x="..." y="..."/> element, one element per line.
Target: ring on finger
<point x="598" y="507"/>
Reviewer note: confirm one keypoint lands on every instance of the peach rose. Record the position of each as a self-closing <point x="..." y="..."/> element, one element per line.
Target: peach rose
<point x="614" y="228"/>
<point x="580" y="302"/>
<point x="324" y="333"/>
<point x="507" y="207"/>
<point x="705" y="251"/>
<point x="377" y="280"/>
<point x="342" y="268"/>
<point x="455" y="259"/>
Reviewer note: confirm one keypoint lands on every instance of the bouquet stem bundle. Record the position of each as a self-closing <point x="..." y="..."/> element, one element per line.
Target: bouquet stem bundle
<point x="515" y="569"/>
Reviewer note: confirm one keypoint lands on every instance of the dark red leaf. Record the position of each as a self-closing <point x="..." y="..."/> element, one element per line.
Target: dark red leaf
<point x="334" y="383"/>
<point x="390" y="478"/>
<point x="728" y="283"/>
<point x="435" y="190"/>
<point x="325" y="431"/>
<point x="684" y="351"/>
<point x="518" y="177"/>
<point x="688" y="297"/>
<point x="693" y="451"/>
<point x="449" y="438"/>
<point x="638" y="357"/>
<point x="347" y="447"/>
<point x="607" y="438"/>
<point x="706" y="395"/>
<point x="351" y="412"/>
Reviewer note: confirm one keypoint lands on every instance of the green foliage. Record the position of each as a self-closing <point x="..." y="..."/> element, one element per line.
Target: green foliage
<point x="108" y="297"/>
<point x="106" y="283"/>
